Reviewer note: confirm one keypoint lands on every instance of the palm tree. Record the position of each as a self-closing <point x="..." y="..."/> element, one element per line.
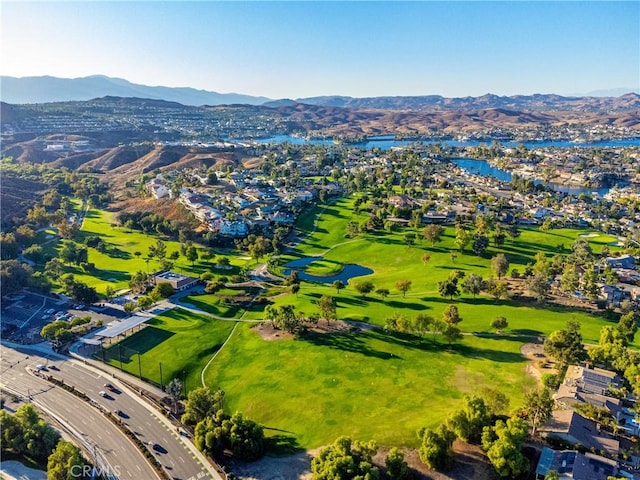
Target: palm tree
<point x="174" y="389"/>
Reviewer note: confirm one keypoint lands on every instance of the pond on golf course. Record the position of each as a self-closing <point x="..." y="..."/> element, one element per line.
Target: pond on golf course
<point x="349" y="271"/>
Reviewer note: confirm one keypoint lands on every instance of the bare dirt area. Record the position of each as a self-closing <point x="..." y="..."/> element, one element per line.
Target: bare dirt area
<point x="537" y="362"/>
<point x="470" y="464"/>
<point x="269" y="333"/>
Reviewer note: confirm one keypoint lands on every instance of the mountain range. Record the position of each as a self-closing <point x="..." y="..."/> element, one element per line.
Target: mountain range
<point x="45" y="89"/>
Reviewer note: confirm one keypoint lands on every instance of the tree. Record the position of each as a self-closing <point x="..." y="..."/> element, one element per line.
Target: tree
<point x="35" y="253"/>
<point x="65" y="462"/>
<point x="480" y="244"/>
<point x="628" y="326"/>
<point x="497" y="288"/>
<point x="174" y="389"/>
<point x="433" y="233"/>
<point x="590" y="282"/>
<point x="397" y="468"/>
<point x="338" y="285"/>
<point x="500" y="264"/>
<point x="71" y="252"/>
<point x="364" y="287"/>
<point x="463" y="237"/>
<point x="504" y="447"/>
<point x="192" y="254"/>
<point x="404" y="286"/>
<point x="163" y="290"/>
<point x="58" y="332"/>
<point x="345" y="460"/>
<point x="425" y="258"/>
<point x="295" y="288"/>
<point x="435" y="447"/>
<point x="14" y="275"/>
<point x="451" y="315"/>
<point x="328" y="308"/>
<point x="473" y="284"/>
<point x="497" y="402"/>
<point x="565" y="345"/>
<point x="499" y="323"/>
<point x="570" y="280"/>
<point x="449" y="288"/>
<point x="409" y="238"/>
<point x="284" y="317"/>
<point x="26" y="434"/>
<point x="538" y="405"/>
<point x="539" y="286"/>
<point x="245" y="438"/>
<point x="467" y="423"/>
<point x="110" y="292"/>
<point x="139" y="282"/>
<point x="201" y="403"/>
<point x="145" y="302"/>
<point x="383" y="292"/>
<point x="422" y="324"/>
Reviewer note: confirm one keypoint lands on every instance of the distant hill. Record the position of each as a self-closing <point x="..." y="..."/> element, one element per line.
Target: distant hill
<point x="537" y="102"/>
<point x="47" y="89"/>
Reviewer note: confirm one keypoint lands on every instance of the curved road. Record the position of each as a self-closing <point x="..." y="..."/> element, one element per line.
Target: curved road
<point x="177" y="456"/>
<point x="124" y="460"/>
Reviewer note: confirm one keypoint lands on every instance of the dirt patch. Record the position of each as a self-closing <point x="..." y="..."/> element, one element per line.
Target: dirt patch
<point x="470" y="464"/>
<point x="537" y="361"/>
<point x="267" y="331"/>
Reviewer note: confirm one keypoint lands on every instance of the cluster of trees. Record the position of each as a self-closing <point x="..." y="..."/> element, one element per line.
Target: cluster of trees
<point x="140" y="283"/>
<point x="423" y="324"/>
<point x="216" y="431"/>
<point x="152" y="223"/>
<point x="612" y="352"/>
<point x="61" y="331"/>
<point x="285" y="317"/>
<point x="26" y="434"/>
<point x="347" y="459"/>
<point x="482" y="420"/>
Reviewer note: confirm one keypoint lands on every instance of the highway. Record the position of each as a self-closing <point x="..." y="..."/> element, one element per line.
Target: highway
<point x="164" y="442"/>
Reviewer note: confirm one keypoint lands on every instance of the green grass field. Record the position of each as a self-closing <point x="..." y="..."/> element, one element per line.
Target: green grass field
<point x="370" y="385"/>
<point x="181" y="340"/>
<point x="116" y="265"/>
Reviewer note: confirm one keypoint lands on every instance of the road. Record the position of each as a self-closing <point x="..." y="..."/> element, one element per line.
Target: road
<point x="123" y="458"/>
<point x="165" y="443"/>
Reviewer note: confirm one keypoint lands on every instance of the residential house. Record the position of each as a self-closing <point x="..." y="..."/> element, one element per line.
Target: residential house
<point x="592" y="380"/>
<point x="624" y="261"/>
<point x="570" y="464"/>
<point x="575" y="429"/>
<point x="569" y="395"/>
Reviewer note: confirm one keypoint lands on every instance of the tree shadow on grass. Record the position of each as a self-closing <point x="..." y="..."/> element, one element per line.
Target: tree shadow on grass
<point x="111" y="275"/>
<point x="410" y="305"/>
<point x="419" y="343"/>
<point x="144" y="341"/>
<point x="348" y="342"/>
<point x="282" y="444"/>
<point x="116" y="252"/>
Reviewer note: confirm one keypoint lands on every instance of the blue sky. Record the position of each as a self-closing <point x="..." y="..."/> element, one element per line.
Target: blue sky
<point x="298" y="49"/>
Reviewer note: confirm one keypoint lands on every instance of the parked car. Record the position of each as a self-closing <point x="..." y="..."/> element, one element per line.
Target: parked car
<point x="102" y="393"/>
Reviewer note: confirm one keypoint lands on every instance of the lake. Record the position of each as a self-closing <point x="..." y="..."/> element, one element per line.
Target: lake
<point x="385" y="142"/>
<point x="483" y="168"/>
<point x="350" y="270"/>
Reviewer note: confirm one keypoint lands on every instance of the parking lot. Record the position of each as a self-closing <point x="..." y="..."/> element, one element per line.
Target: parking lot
<point x="23" y="315"/>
